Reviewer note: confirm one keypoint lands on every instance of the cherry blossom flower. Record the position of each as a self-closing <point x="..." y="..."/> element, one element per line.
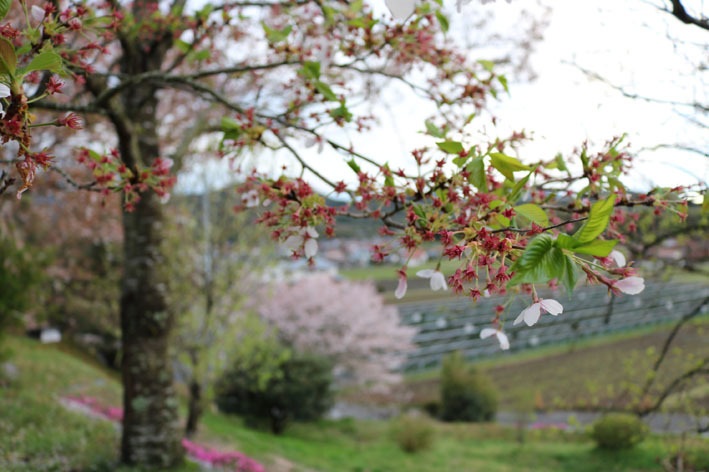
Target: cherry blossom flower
<point x="531" y="314"/>
<point x="250" y="199"/>
<point x="401" y="288"/>
<point x="305" y="237"/>
<point x="4" y="93"/>
<point x="438" y="281"/>
<point x="630" y="285"/>
<point x="501" y="337"/>
<point x="617" y="257"/>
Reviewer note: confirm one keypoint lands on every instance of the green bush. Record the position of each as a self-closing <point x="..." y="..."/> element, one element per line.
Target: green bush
<point x="21" y="272"/>
<point x="618" y="431"/>
<point x="466" y="393"/>
<point x="413" y="433"/>
<point x="298" y="390"/>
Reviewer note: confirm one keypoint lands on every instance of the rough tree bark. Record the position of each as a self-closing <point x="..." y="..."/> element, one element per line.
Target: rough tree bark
<point x="151" y="434"/>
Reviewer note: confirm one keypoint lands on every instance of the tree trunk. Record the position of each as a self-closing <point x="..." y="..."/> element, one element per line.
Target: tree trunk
<point x="150" y="424"/>
<point x="151" y="434"/>
<point x="194" y="409"/>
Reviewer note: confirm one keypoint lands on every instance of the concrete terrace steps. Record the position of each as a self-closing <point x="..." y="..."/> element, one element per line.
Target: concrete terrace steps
<point x="448" y="325"/>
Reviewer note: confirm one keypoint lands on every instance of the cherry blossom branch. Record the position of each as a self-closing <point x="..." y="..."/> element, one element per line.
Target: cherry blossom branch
<point x="666" y="345"/>
<point x="90" y="186"/>
<point x="697" y="106"/>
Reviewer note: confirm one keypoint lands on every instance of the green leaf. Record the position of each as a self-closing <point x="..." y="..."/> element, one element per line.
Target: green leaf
<point x="202" y="55"/>
<point x="488" y="65"/>
<point x="451" y="147"/>
<point x="311" y="70"/>
<point x="325" y="90"/>
<point x="182" y="46"/>
<point x="615" y="183"/>
<point x="435" y="131"/>
<point x="274" y="35"/>
<point x="50" y="61"/>
<point x="705" y="202"/>
<point x="539" y="263"/>
<point x="519" y="186"/>
<point x="564" y="241"/>
<point x="598" y="247"/>
<point x="570" y="275"/>
<point x="476" y="169"/>
<point x="460" y="160"/>
<point x="419" y="211"/>
<point x="507" y="165"/>
<point x="341" y="112"/>
<point x="533" y="212"/>
<point x="8" y="58"/>
<point x="560" y="163"/>
<point x="443" y="21"/>
<point x="4" y="8"/>
<point x="503" y="81"/>
<point x="353" y="165"/>
<point x="494" y="204"/>
<point x="597" y="220"/>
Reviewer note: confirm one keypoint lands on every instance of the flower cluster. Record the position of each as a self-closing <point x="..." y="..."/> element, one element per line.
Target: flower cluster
<point x="112" y="175"/>
<point x="213" y="458"/>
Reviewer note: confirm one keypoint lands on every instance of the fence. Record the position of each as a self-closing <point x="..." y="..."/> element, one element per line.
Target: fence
<point x="450" y="325"/>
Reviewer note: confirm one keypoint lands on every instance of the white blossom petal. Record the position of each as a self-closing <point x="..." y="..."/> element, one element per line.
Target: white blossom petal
<point x="502" y="339"/>
<point x="401" y="9"/>
<point x="4" y="91"/>
<point x="37" y="13"/>
<point x="311" y="232"/>
<point x="311" y="248"/>
<point x="631" y="285"/>
<point x="426" y="273"/>
<point x="618" y="257"/>
<point x="552" y="306"/>
<point x="519" y="318"/>
<point x="487" y="332"/>
<point x="293" y="242"/>
<point x="401" y="289"/>
<point x="438" y="281"/>
<point x="532" y="313"/>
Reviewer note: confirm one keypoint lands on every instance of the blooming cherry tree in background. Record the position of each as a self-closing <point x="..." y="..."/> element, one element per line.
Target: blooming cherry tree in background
<point x="343" y="321"/>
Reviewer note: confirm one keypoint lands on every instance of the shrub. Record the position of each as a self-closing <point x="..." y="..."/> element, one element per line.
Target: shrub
<point x="412" y="432"/>
<point x="466" y="393"/>
<point x="618" y="431"/>
<point x="21" y="273"/>
<point x="299" y="389"/>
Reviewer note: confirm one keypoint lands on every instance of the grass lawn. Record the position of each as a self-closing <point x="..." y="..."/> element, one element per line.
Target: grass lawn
<point x="37" y="434"/>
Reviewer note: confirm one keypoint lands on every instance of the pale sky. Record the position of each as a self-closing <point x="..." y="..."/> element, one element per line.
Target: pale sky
<point x="626" y="42"/>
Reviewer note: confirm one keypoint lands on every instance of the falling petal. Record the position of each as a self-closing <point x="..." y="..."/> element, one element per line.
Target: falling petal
<point x="438" y="281"/>
<point x="426" y="273"/>
<point x="631" y="285"/>
<point x="504" y="342"/>
<point x="532" y="313"/>
<point x="401" y="289"/>
<point x="401" y="9"/>
<point x="293" y="243"/>
<point x="552" y="306"/>
<point x="311" y="248"/>
<point x="618" y="257"/>
<point x="487" y="332"/>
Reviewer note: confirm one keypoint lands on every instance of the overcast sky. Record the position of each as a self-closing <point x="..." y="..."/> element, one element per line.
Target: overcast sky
<point x="626" y="42"/>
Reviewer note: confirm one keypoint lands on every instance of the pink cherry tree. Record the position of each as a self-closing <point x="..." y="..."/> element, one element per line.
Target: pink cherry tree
<point x="343" y="321"/>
